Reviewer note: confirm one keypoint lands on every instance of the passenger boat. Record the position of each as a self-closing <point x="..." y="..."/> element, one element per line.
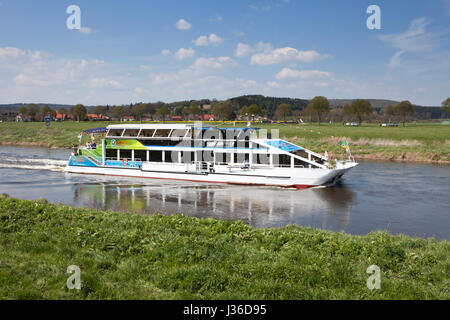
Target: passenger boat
<point x="195" y="152"/>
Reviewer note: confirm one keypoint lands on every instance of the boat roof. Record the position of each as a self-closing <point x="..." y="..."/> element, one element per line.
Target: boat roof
<point x="174" y="126"/>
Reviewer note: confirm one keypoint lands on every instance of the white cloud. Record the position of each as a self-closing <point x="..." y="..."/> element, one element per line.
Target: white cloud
<point x="285" y="55"/>
<point x="102" y="83"/>
<point x="202" y="64"/>
<point x="166" y="52"/>
<point x="183" y="53"/>
<point x="85" y="30"/>
<point x="12" y="57"/>
<point x="36" y="68"/>
<point x="287" y="73"/>
<point x="273" y="84"/>
<point x="265" y="8"/>
<point x="200" y="68"/>
<point x="242" y="50"/>
<point x="211" y="40"/>
<point x="414" y="40"/>
<point x="183" y="25"/>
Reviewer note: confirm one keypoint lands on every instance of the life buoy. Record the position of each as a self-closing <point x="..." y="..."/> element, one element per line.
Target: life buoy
<point x="125" y="162"/>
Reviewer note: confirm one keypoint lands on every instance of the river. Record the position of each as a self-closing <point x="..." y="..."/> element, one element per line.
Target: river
<point x="412" y="199"/>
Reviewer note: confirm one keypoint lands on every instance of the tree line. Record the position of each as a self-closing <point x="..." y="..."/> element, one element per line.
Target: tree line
<point x="317" y="109"/>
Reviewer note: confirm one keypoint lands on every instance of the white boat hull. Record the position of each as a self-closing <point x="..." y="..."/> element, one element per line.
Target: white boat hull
<point x="283" y="177"/>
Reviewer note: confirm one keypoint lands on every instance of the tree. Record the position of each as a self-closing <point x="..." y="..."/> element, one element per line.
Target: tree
<point x="99" y="111"/>
<point x="186" y="112"/>
<point x="163" y="112"/>
<point x="389" y="111"/>
<point x="47" y="111"/>
<point x="222" y="111"/>
<point x="318" y="106"/>
<point x="78" y="112"/>
<point x="139" y="110"/>
<point x="178" y="110"/>
<point x="253" y="109"/>
<point x="359" y="108"/>
<point x="404" y="109"/>
<point x="32" y="110"/>
<point x="283" y="110"/>
<point x="23" y="110"/>
<point x="446" y="105"/>
<point x="62" y="111"/>
<point x="195" y="110"/>
<point x="118" y="112"/>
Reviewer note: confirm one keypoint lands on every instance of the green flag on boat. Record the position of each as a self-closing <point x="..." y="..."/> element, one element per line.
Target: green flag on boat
<point x="344" y="144"/>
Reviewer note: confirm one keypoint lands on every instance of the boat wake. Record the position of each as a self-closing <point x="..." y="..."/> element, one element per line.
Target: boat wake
<point x="33" y="164"/>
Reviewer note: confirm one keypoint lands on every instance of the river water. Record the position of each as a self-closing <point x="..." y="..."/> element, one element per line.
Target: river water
<point x="412" y="199"/>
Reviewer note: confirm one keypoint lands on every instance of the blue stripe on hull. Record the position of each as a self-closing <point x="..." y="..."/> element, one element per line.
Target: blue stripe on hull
<point x="81" y="161"/>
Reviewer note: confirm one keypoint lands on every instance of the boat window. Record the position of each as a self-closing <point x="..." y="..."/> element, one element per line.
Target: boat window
<point x="131" y="133"/>
<point x="171" y="156"/>
<point x="164" y="143"/>
<point x="125" y="154"/>
<point x="284" y="160"/>
<point x="147" y="133"/>
<point x="162" y="133"/>
<point x="140" y="155"/>
<point x="300" y="153"/>
<point x="115" y="132"/>
<point x="155" y="156"/>
<point x="300" y="163"/>
<point x="111" y="153"/>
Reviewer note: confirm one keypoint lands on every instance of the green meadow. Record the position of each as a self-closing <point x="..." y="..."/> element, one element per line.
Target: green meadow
<point x="429" y="142"/>
<point x="132" y="256"/>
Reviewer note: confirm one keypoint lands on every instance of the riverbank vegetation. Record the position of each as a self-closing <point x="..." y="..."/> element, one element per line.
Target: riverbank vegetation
<point x="131" y="256"/>
<point x="427" y="142"/>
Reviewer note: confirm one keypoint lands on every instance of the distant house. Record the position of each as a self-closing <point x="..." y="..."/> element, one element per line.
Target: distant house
<point x="8" y="116"/>
<point x="22" y="118"/>
<point x="206" y="107"/>
<point x="128" y="118"/>
<point x="147" y="117"/>
<point x="61" y="116"/>
<point x="208" y="117"/>
<point x="97" y="117"/>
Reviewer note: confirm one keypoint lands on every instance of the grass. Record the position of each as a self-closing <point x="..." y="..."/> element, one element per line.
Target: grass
<point x="415" y="142"/>
<point x="131" y="256"/>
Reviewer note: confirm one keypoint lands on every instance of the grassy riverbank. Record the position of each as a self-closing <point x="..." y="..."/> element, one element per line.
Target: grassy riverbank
<point x="176" y="257"/>
<point x="416" y="142"/>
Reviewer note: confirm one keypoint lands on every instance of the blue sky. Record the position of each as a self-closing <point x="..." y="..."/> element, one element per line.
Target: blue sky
<point x="131" y="51"/>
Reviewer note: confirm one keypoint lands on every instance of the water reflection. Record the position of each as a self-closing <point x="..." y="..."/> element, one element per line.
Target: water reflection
<point x="257" y="206"/>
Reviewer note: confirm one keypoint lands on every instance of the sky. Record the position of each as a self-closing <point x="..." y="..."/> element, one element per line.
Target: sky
<point x="147" y="51"/>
